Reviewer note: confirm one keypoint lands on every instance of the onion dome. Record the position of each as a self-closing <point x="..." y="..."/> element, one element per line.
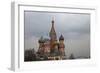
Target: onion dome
<point x="46" y="40"/>
<point x="41" y="40"/>
<point x="61" y="37"/>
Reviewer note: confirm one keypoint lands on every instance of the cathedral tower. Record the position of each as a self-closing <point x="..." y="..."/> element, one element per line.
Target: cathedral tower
<point x="61" y="45"/>
<point x="52" y="34"/>
<point x="41" y="45"/>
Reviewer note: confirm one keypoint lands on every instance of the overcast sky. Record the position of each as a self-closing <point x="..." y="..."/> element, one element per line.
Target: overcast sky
<point x="74" y="27"/>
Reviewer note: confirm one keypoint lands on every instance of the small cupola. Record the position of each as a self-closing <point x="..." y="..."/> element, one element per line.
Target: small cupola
<point x="41" y="40"/>
<point x="61" y="37"/>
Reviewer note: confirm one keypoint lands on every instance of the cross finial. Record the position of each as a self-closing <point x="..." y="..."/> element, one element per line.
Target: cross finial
<point x="52" y="19"/>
